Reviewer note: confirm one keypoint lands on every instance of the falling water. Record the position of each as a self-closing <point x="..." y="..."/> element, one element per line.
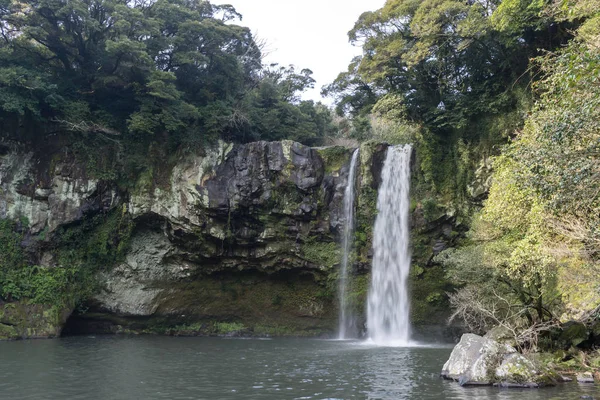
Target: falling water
<point x="388" y="304"/>
<point x="346" y="319"/>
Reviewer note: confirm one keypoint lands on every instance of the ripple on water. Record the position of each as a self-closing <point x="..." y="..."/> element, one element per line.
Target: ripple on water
<point x="211" y="368"/>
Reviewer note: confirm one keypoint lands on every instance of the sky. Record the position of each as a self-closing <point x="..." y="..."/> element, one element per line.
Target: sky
<point x="308" y="34"/>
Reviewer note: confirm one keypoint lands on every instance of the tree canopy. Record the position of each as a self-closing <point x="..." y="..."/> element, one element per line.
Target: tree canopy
<point x="181" y="68"/>
<point x="451" y="62"/>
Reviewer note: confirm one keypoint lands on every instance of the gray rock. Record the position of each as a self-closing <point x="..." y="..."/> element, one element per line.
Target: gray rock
<point x="516" y="368"/>
<point x="477" y="360"/>
<point x="474" y="360"/>
<point x="585" y="377"/>
<point x="68" y="198"/>
<point x="264" y="209"/>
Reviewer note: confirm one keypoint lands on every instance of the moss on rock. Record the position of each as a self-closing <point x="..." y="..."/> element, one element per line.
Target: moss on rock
<point x="334" y="157"/>
<point x="8" y="332"/>
<point x="324" y="254"/>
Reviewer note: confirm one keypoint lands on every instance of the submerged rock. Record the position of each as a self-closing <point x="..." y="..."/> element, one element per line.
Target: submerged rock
<point x="477" y="360"/>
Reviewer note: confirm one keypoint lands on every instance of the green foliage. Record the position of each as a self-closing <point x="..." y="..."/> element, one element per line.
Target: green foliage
<point x="97" y="242"/>
<point x="515" y="16"/>
<point x="334" y="157"/>
<point x="441" y="60"/>
<point x="223" y="328"/>
<point x="428" y="295"/>
<point x="324" y="254"/>
<point x="431" y="210"/>
<point x="175" y="72"/>
<point x="8" y="332"/>
<point x="81" y="251"/>
<point x="39" y="285"/>
<point x="450" y="77"/>
<point x="11" y="253"/>
<point x="538" y="227"/>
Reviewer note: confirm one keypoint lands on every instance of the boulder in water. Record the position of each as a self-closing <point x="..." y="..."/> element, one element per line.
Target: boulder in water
<point x="478" y="360"/>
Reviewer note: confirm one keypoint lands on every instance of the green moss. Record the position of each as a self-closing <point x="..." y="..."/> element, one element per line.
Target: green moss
<point x="367" y="150"/>
<point x="334" y="157"/>
<point x="97" y="242"/>
<point x="286" y="331"/>
<point x="286" y="198"/>
<point x="11" y="253"/>
<point x="8" y="332"/>
<point x="303" y="307"/>
<point x="357" y="293"/>
<point x="144" y="183"/>
<point x="428" y="295"/>
<point x="432" y="211"/>
<point x="366" y="212"/>
<point x="199" y="328"/>
<point x="416" y="271"/>
<point x="223" y="328"/>
<point x="422" y="249"/>
<point x="324" y="254"/>
<point x="99" y="158"/>
<point x="274" y="330"/>
<point x="33" y="320"/>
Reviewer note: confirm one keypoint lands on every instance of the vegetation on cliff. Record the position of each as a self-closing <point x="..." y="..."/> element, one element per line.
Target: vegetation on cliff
<point x="511" y="81"/>
<point x="508" y="87"/>
<point x="533" y="249"/>
<point x="119" y="92"/>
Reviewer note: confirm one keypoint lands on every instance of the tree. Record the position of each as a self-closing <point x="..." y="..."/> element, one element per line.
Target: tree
<point x="174" y="70"/>
<point x="536" y="240"/>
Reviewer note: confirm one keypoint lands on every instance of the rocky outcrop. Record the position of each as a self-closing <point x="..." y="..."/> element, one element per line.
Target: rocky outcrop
<point x="244" y="234"/>
<point x="477" y="360"/>
<point x="21" y="320"/>
<point x="66" y="194"/>
<point x="482" y="181"/>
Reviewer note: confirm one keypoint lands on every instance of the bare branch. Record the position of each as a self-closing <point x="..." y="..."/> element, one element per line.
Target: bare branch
<point x="87" y="127"/>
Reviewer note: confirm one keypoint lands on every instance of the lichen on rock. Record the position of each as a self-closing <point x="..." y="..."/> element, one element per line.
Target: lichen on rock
<point x="477" y="360"/>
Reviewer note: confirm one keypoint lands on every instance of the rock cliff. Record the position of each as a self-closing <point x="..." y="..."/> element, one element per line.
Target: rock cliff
<point x="240" y="238"/>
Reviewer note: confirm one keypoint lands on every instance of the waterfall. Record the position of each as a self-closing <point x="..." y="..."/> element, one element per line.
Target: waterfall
<point x="346" y="322"/>
<point x="388" y="304"/>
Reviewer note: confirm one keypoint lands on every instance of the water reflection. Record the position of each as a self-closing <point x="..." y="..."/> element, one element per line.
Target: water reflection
<point x="211" y="368"/>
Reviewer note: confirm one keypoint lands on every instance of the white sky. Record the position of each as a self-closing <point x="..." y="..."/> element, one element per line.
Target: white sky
<point x="308" y="33"/>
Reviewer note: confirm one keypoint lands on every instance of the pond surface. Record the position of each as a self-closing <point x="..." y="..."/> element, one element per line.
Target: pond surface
<point x="112" y="367"/>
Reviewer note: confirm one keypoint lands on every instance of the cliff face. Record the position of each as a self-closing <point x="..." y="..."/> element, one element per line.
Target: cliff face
<point x="243" y="235"/>
<point x="241" y="238"/>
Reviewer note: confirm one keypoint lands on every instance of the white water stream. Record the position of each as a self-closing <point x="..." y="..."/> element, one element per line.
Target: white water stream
<point x="346" y="319"/>
<point x="388" y="304"/>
